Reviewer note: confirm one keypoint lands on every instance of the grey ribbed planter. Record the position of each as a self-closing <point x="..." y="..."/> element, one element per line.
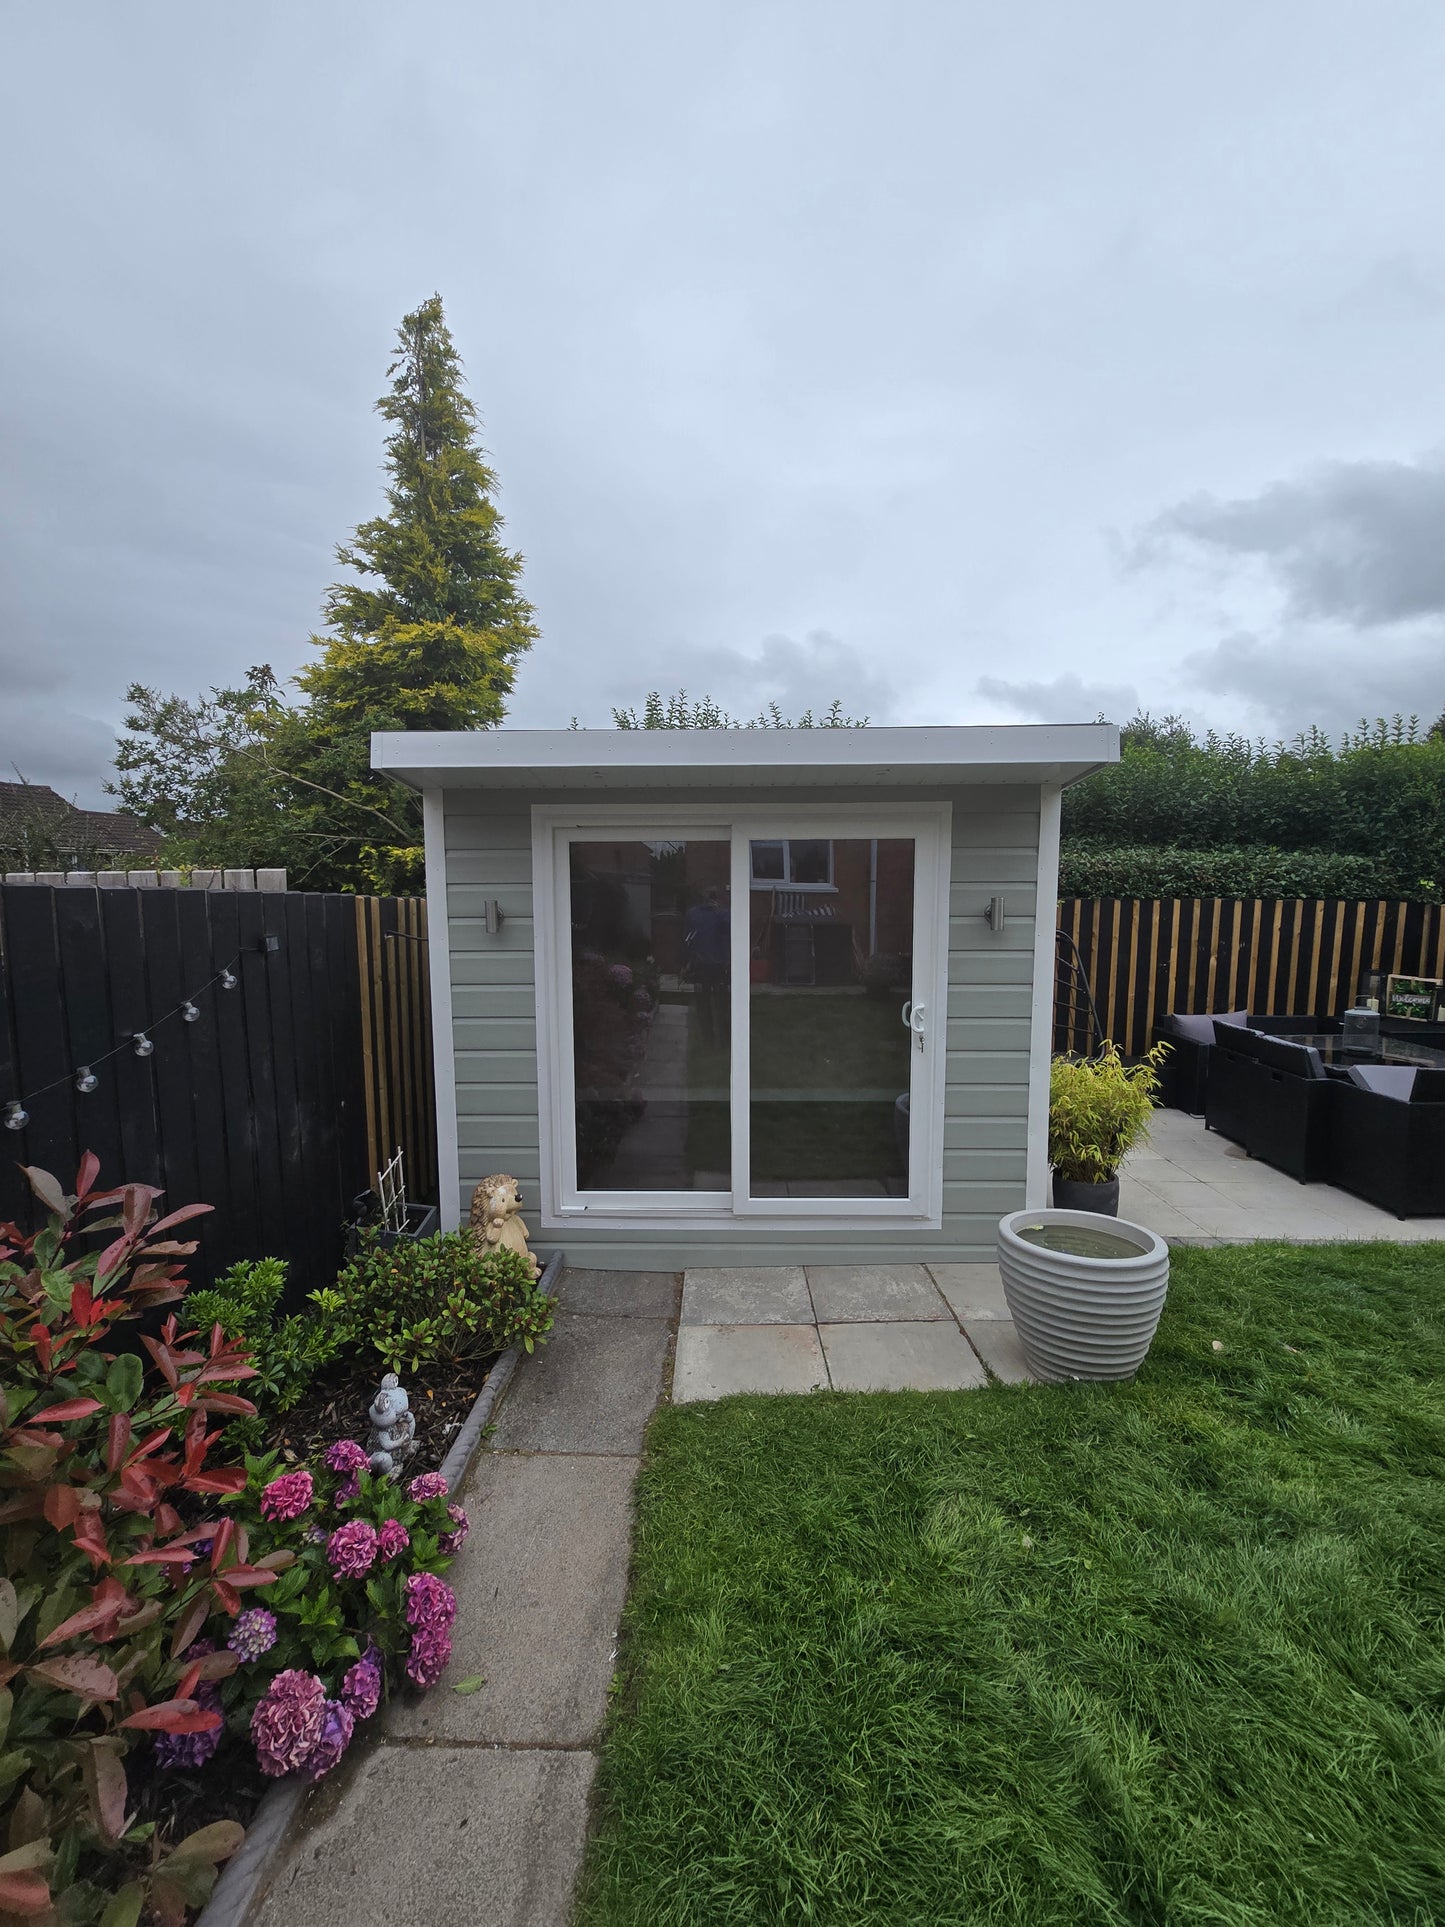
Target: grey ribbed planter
<point x="1077" y="1317"/>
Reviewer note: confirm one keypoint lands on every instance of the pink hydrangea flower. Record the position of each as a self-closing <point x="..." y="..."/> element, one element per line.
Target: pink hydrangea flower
<point x="450" y="1543"/>
<point x="361" y="1686"/>
<point x="337" y="1727"/>
<point x="351" y="1549"/>
<point x="287" y="1497"/>
<point x="393" y="1538"/>
<point x="286" y="1724"/>
<point x="429" y="1656"/>
<point x="428" y="1485"/>
<point x="346" y="1456"/>
<point x="431" y="1605"/>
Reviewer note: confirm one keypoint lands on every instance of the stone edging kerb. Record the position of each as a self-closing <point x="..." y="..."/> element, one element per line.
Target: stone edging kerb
<point x="250" y="1869"/>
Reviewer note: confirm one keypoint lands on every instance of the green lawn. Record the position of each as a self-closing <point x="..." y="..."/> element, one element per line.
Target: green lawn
<point x="1164" y="1653"/>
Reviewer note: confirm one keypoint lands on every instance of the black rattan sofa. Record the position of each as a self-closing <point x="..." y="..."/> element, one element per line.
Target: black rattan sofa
<point x="1387" y="1138"/>
<point x="1273" y="1097"/>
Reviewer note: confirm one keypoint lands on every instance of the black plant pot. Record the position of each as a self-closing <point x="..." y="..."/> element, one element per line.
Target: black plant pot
<point x="1076" y="1194"/>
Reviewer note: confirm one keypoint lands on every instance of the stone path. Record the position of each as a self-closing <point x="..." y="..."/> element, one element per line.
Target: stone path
<point x="472" y="1810"/>
<point x="1194" y="1187"/>
<point x="854" y="1328"/>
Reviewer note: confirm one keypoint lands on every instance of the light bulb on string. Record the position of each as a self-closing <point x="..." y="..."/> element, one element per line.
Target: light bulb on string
<point x="143" y="1045"/>
<point x="86" y="1080"/>
<point x="189" y="1013"/>
<point x="228" y="980"/>
<point x="16" y="1116"/>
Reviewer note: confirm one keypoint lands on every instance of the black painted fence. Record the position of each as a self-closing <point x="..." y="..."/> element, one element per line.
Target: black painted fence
<point x="259" y="1106"/>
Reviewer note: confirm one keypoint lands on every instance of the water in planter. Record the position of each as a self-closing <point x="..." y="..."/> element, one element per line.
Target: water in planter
<point x="1079" y="1241"/>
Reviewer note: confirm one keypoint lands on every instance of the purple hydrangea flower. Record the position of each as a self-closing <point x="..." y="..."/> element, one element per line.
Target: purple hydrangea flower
<point x="431" y="1650"/>
<point x="428" y="1485"/>
<point x="431" y="1605"/>
<point x="337" y="1726"/>
<point x="287" y="1497"/>
<point x="351" y="1549"/>
<point x="620" y="974"/>
<point x="254" y="1633"/>
<point x="346" y="1456"/>
<point x="286" y="1724"/>
<point x="393" y="1539"/>
<point x="361" y="1686"/>
<point x="316" y="1534"/>
<point x="450" y="1543"/>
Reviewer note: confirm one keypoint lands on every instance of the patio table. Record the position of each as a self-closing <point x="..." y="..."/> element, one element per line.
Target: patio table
<point x="1339" y="1052"/>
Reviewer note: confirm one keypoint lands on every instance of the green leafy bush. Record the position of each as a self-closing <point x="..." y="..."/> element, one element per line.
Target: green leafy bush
<point x="1092" y="869"/>
<point x="1098" y="1110"/>
<point x="286" y="1352"/>
<point x="435" y="1300"/>
<point x="111" y="1569"/>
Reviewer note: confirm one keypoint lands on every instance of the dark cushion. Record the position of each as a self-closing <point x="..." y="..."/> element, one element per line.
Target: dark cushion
<point x="1236" y="1037"/>
<point x="1197" y="1027"/>
<point x="1298" y="1060"/>
<point x="1428" y="1088"/>
<point x="1385" y="1080"/>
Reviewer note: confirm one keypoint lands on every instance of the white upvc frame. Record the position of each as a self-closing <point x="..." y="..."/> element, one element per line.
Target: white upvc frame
<point x="443" y="1038"/>
<point x="929" y="825"/>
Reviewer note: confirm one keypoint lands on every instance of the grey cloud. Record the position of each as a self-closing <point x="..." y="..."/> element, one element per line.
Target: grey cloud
<point x="44" y="742"/>
<point x="1355" y="542"/>
<point x="1067" y="699"/>
<point x="796" y="675"/>
<point x="1287" y="685"/>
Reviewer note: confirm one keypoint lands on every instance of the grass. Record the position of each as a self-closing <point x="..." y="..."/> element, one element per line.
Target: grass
<point x="1168" y="1653"/>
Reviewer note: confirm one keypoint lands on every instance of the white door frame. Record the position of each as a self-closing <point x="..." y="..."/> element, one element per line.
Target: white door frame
<point x="929" y="825"/>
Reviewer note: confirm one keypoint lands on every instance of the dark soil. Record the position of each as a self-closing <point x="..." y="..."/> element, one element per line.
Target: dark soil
<point x="336" y="1404"/>
<point x="183" y="1799"/>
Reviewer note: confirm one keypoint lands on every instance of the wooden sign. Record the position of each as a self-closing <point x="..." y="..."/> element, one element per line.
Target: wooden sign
<point x="1411" y="997"/>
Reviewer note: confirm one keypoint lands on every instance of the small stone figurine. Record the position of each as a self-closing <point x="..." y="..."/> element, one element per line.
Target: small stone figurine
<point x="393" y="1428"/>
<point x="496" y="1221"/>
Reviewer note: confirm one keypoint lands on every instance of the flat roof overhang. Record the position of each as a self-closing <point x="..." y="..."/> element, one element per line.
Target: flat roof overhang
<point x="601" y="759"/>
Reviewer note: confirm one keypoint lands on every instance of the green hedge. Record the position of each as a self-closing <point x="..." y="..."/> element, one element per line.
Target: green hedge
<point x="1090" y="868"/>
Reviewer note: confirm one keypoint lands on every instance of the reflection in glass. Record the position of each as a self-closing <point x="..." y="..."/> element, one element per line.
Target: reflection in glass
<point x="650" y="1027"/>
<point x="830" y="1058"/>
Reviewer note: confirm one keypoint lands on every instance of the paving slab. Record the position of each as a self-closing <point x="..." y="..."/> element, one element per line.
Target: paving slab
<point x="997" y="1343"/>
<point x="590" y="1388"/>
<point x="746" y="1295"/>
<point x="713" y="1360"/>
<point x="621" y="1294"/>
<point x="886" y="1293"/>
<point x="440" y="1837"/>
<point x="972" y="1291"/>
<point x="917" y="1356"/>
<point x="540" y="1585"/>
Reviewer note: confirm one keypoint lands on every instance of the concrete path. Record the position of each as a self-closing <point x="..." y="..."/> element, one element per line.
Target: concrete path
<point x="472" y="1810"/>
<point x="854" y="1328"/>
<point x="1194" y="1187"/>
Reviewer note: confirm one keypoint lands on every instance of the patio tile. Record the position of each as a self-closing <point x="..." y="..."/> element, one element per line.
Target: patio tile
<point x="916" y="1357"/>
<point x="1163" y="1220"/>
<point x="997" y="1344"/>
<point x="441" y="1835"/>
<point x="713" y="1360"/>
<point x="746" y="1295"/>
<point x="590" y="1388"/>
<point x="880" y="1293"/>
<point x="620" y="1294"/>
<point x="972" y="1291"/>
<point x="540" y="1586"/>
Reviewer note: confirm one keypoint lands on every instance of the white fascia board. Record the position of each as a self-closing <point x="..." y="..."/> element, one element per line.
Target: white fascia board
<point x="727" y="758"/>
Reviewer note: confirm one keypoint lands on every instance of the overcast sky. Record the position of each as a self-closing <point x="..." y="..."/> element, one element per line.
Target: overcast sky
<point x="968" y="362"/>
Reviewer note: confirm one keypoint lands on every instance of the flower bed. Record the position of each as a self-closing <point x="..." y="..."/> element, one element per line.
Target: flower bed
<point x="182" y="1626"/>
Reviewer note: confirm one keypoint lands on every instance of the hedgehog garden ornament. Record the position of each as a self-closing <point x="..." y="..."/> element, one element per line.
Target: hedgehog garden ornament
<point x="496" y="1221"/>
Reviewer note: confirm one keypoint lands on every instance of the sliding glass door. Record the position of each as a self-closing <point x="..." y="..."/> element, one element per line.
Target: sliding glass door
<point x="737" y="1015"/>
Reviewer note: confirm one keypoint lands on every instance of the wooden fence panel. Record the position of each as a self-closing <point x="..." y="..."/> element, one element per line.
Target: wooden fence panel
<point x="1145" y="958"/>
<point x="269" y="1106"/>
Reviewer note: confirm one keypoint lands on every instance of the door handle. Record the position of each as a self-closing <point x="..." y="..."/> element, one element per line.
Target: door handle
<point x="916" y="1021"/>
<point x="908" y="1015"/>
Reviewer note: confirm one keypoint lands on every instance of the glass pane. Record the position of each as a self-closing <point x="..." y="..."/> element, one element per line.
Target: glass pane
<point x="830" y="1056"/>
<point x="768" y="862"/>
<point x="650" y="1025"/>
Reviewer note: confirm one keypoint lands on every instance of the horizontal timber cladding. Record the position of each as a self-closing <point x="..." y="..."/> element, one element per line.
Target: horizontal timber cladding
<point x="1145" y="958"/>
<point x="488" y="838"/>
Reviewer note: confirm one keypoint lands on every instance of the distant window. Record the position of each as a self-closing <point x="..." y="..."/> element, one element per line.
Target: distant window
<point x="799" y="862"/>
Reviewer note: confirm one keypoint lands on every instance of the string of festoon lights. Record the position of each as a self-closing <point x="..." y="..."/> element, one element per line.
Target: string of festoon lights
<point x="15" y="1115"/>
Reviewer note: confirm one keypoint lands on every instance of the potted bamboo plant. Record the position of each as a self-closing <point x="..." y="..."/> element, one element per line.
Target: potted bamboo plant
<point x="1098" y="1111"/>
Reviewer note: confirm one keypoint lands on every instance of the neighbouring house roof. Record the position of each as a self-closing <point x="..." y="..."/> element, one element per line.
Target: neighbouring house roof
<point x="737" y="758"/>
<point x="33" y="815"/>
